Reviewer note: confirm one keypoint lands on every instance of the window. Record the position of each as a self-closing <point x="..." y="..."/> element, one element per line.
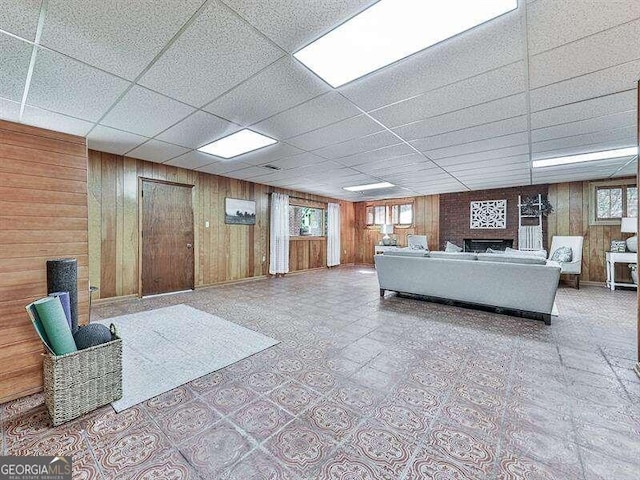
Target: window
<point x="306" y="221"/>
<point x="398" y="214"/>
<point x="612" y="201"/>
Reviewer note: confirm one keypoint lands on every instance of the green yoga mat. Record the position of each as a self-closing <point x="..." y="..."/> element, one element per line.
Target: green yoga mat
<point x="54" y="320"/>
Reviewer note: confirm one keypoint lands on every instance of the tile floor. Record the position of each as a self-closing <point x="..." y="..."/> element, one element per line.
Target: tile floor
<point x="364" y="388"/>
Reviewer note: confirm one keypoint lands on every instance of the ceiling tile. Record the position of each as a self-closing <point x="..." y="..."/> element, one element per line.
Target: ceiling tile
<point x="488" y="46"/>
<point x="505" y="108"/>
<point x="111" y="140"/>
<point x="197" y="130"/>
<point x="552" y="23"/>
<point x="20" y="17"/>
<point x="120" y="38"/>
<point x="595" y="107"/>
<point x="9" y="110"/>
<point x="626" y="136"/>
<point x="247" y="173"/>
<point x="486" y="87"/>
<point x="494" y="143"/>
<point x="487" y="155"/>
<point x="513" y="161"/>
<point x="318" y="112"/>
<point x="216" y="52"/>
<point x="55" y="121"/>
<point x="338" y="132"/>
<point x="604" y="82"/>
<point x="64" y="85"/>
<point x="387" y="164"/>
<point x="359" y="145"/>
<point x="293" y="24"/>
<point x="381" y="154"/>
<point x="192" y="160"/>
<point x="14" y="58"/>
<point x="222" y="168"/>
<point x="156" y="151"/>
<point x="587" y="55"/>
<point x="280" y="86"/>
<point x="146" y="113"/>
<point x="473" y="134"/>
<point x="609" y="122"/>
<point x="296" y="161"/>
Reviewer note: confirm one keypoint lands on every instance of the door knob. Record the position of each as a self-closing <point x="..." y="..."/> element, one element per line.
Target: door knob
<point x="189" y="245"/>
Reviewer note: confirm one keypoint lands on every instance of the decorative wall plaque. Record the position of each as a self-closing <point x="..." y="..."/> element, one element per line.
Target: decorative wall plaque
<point x="489" y="214"/>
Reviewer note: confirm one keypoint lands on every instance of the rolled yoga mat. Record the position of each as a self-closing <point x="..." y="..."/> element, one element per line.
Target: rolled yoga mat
<point x="66" y="304"/>
<point x="54" y="321"/>
<point x="62" y="276"/>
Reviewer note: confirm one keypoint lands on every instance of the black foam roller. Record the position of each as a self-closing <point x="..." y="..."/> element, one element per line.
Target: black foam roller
<point x="62" y="276"/>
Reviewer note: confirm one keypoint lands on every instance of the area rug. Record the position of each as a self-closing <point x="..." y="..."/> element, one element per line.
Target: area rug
<point x="165" y="348"/>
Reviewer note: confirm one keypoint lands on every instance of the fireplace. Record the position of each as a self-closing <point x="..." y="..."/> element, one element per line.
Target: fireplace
<point x="479" y="245"/>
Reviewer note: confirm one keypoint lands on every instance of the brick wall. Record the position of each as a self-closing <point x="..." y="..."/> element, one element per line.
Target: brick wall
<point x="455" y="212"/>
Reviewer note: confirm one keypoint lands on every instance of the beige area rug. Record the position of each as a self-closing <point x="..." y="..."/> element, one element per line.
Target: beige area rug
<point x="168" y="347"/>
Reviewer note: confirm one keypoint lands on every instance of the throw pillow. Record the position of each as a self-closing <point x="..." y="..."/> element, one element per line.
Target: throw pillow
<point x="529" y="253"/>
<point x="491" y="250"/>
<point x="562" y="255"/>
<point x="452" y="247"/>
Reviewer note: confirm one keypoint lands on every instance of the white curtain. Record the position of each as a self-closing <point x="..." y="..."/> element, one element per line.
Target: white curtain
<point x="333" y="234"/>
<point x="279" y="234"/>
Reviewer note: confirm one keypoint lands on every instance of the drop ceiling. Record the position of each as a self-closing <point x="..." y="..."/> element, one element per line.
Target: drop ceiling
<point x="156" y="79"/>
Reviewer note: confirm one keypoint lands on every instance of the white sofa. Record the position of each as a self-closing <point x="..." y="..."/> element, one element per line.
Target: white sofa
<point x="525" y="286"/>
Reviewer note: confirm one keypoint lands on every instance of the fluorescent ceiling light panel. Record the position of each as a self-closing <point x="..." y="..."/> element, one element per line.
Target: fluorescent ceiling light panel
<point x="585" y="157"/>
<point x="237" y="143"/>
<point x="371" y="186"/>
<point x="391" y="30"/>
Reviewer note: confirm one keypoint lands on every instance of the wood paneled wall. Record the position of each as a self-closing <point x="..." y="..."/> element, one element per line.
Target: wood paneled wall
<point x="571" y="217"/>
<point x="43" y="215"/>
<point x="426" y="221"/>
<point x="223" y="252"/>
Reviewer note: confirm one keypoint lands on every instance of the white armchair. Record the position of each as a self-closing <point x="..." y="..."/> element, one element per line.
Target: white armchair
<point x="574" y="267"/>
<point x="417" y="242"/>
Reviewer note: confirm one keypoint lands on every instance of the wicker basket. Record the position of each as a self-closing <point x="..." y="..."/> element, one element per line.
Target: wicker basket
<point x="79" y="382"/>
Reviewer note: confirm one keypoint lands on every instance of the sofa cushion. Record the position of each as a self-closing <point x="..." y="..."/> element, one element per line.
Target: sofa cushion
<point x="526" y="253"/>
<point x="562" y="255"/>
<point x="453" y="255"/>
<point x="407" y="253"/>
<point x="520" y="259"/>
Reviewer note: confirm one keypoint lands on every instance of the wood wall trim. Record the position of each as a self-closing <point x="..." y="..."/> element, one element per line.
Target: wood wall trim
<point x="43" y="215"/>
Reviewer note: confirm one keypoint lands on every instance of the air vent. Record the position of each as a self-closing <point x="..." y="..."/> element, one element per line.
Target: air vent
<point x="271" y="167"/>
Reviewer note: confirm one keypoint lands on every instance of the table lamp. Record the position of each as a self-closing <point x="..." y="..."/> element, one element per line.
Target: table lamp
<point x="386" y="229"/>
<point x="630" y="225"/>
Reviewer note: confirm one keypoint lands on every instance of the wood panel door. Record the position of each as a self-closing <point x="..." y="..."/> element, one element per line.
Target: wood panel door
<point x="167" y="238"/>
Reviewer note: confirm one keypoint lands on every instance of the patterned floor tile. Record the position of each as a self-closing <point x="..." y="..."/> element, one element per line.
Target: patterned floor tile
<point x="387" y="450"/>
<point x="332" y="419"/>
<point x="168" y="400"/>
<point x="470" y="417"/>
<point x="598" y="466"/>
<point x="230" y="397"/>
<point x="294" y="397"/>
<point x="258" y="465"/>
<point x="261" y="419"/>
<point x="263" y="381"/>
<point x="462" y="447"/>
<point x="169" y="465"/>
<point x="131" y="449"/>
<point x="348" y="464"/>
<point x="513" y="466"/>
<point x="301" y="447"/>
<point x="209" y="382"/>
<point x="215" y="450"/>
<point x="429" y="464"/>
<point x="361" y="400"/>
<point x="185" y="420"/>
<point x="401" y="418"/>
<point x="103" y="425"/>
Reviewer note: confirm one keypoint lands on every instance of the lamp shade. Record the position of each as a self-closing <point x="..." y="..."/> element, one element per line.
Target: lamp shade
<point x="629" y="225"/>
<point x="386" y="228"/>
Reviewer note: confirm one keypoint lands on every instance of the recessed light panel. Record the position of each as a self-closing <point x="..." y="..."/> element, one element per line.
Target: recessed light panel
<point x="391" y="30"/>
<point x="371" y="186"/>
<point x="585" y="157"/>
<point x="237" y="143"/>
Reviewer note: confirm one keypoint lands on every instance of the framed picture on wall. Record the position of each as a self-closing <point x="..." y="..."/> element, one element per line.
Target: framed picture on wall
<point x="239" y="212"/>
